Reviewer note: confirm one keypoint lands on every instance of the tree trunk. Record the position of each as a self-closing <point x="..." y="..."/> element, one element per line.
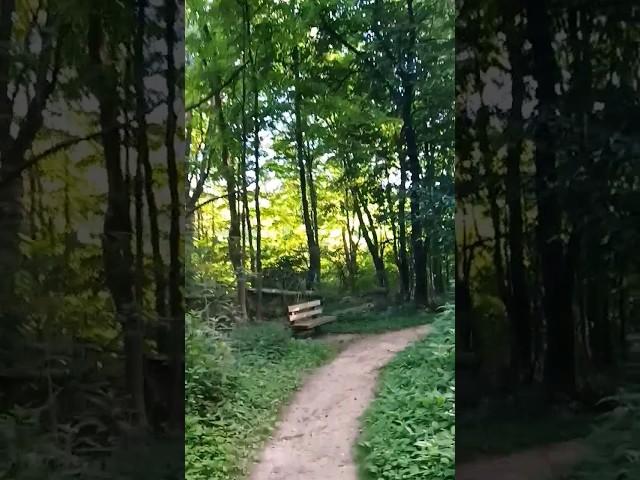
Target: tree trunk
<point x="176" y="250"/>
<point x="519" y="295"/>
<point x="142" y="146"/>
<point x="12" y="191"/>
<point x="556" y="273"/>
<point x="228" y="172"/>
<point x="494" y="210"/>
<point x="350" y="247"/>
<point x="314" y="250"/>
<point x="139" y="211"/>
<point x="421" y="295"/>
<point x="256" y="154"/>
<point x="244" y="152"/>
<point x="370" y="237"/>
<point x="116" y="242"/>
<point x="403" y="267"/>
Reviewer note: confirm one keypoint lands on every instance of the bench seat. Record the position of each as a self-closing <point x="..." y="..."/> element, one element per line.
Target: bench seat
<point x="308" y="315"/>
<point x="312" y="323"/>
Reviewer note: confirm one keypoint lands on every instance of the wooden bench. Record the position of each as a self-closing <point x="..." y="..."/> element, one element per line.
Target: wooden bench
<point x="308" y="315"/>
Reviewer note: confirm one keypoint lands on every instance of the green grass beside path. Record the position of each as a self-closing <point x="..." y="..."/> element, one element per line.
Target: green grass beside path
<point x="408" y="430"/>
<point x="377" y="322"/>
<point x="235" y="388"/>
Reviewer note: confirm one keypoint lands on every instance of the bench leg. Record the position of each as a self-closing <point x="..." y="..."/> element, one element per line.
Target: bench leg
<point x="304" y="333"/>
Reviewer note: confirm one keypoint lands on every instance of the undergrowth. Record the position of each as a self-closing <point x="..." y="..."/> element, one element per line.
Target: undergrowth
<point x="235" y="386"/>
<point x="614" y="445"/>
<point x="408" y="430"/>
<point x="377" y="322"/>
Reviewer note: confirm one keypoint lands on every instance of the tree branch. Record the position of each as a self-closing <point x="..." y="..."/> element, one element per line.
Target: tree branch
<point x="359" y="53"/>
<point x="207" y="202"/>
<point x="15" y="173"/>
<point x="216" y="91"/>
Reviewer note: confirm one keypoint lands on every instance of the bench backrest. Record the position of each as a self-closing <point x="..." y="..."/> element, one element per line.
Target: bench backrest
<point x="304" y="310"/>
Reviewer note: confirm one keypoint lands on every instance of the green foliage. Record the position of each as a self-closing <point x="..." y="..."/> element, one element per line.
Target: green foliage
<point x="208" y="364"/>
<point x="490" y="323"/>
<point x="225" y="431"/>
<point x="376" y="322"/>
<point x="615" y="452"/>
<point x="409" y="428"/>
<point x="350" y="125"/>
<point x="267" y="341"/>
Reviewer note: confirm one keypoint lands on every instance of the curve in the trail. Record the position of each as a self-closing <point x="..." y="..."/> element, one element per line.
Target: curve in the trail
<point x="315" y="437"/>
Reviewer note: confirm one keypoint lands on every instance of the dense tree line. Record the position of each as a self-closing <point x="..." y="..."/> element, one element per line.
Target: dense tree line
<point x="341" y="114"/>
<point x="91" y="309"/>
<point x="547" y="179"/>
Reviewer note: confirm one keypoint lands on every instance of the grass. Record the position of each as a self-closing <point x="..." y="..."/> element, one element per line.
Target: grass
<point x="408" y="430"/>
<point x="376" y="322"/>
<point x="260" y="368"/>
<point x="615" y="445"/>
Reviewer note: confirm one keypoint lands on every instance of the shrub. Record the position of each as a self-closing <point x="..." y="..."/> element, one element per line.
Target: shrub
<point x="614" y="444"/>
<point x="268" y="340"/>
<point x="208" y="364"/>
<point x="408" y="431"/>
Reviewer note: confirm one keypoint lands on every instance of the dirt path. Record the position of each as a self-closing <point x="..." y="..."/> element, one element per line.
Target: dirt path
<point x="315" y="437"/>
<point x="541" y="463"/>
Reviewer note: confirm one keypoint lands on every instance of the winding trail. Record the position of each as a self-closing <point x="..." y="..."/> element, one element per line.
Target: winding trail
<point x="315" y="437"/>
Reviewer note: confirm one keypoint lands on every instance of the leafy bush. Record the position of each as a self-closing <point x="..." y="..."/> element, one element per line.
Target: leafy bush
<point x="615" y="451"/>
<point x="208" y="364"/>
<point x="269" y="340"/>
<point x="267" y="365"/>
<point x="408" y="431"/>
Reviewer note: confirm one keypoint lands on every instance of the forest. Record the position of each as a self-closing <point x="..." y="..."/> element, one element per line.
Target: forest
<point x="91" y="253"/>
<point x="320" y="148"/>
<point x="547" y="178"/>
<point x="320" y="170"/>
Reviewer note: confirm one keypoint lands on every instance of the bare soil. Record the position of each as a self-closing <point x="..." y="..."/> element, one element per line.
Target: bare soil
<point x="315" y="437"/>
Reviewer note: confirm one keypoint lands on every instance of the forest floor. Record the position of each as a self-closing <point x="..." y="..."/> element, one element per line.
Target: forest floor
<point x="539" y="463"/>
<point x="558" y="460"/>
<point x="315" y="437"/>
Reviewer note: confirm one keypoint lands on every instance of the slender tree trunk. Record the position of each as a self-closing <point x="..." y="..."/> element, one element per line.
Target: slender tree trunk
<point x="464" y="300"/>
<point x="256" y="154"/>
<point x="244" y="153"/>
<point x="519" y="295"/>
<point x="139" y="211"/>
<point x="421" y="294"/>
<point x="11" y="192"/>
<point x="494" y="209"/>
<point x="176" y="248"/>
<point x="417" y="241"/>
<point x="142" y="147"/>
<point x="314" y="250"/>
<point x="556" y="274"/>
<point x="405" y="278"/>
<point x="438" y="276"/>
<point x="228" y="172"/>
<point x="350" y="248"/>
<point x="371" y="238"/>
<point x="116" y="242"/>
<point x="313" y="196"/>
